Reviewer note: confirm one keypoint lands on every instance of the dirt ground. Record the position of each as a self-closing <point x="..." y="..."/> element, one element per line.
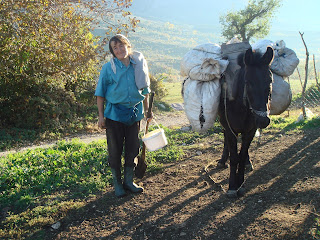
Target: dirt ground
<point x="186" y="202"/>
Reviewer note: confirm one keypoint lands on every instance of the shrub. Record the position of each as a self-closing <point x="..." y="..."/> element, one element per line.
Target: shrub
<point x="157" y="85"/>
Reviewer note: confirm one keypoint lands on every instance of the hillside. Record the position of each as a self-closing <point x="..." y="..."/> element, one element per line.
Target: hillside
<point x="165" y="43"/>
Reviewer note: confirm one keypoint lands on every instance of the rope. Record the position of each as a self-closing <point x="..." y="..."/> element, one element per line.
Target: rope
<point x="225" y="109"/>
<point x="212" y="179"/>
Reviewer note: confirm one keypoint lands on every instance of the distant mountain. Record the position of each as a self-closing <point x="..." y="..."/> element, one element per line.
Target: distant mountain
<point x="203" y="12"/>
<point x="203" y="16"/>
<point x="169" y="29"/>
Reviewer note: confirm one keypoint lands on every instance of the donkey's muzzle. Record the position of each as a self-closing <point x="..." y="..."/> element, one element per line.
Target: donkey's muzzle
<point x="262" y="122"/>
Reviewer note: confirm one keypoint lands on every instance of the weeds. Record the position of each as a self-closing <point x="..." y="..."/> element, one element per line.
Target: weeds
<point x="315" y="231"/>
<point x="40" y="186"/>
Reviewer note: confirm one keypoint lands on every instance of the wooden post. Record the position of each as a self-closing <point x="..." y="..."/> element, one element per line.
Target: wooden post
<point x="306" y="78"/>
<point x="315" y="72"/>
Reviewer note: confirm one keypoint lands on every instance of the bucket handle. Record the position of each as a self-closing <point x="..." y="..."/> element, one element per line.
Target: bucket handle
<point x="147" y="124"/>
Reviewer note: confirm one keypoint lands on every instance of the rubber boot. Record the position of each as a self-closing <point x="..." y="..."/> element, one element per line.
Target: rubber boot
<point x="128" y="181"/>
<point x="117" y="183"/>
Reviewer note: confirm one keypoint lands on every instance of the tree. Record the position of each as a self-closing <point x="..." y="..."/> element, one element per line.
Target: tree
<point x="251" y="22"/>
<point x="49" y="56"/>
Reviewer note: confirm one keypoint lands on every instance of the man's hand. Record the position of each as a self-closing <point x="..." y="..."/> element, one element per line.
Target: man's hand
<point x="149" y="119"/>
<point x="102" y="123"/>
<point x="100" y="104"/>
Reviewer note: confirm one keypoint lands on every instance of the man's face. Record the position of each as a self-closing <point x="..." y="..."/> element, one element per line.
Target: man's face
<point x="120" y="50"/>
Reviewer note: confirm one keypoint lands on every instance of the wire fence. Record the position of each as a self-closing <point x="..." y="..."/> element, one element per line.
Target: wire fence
<point x="311" y="99"/>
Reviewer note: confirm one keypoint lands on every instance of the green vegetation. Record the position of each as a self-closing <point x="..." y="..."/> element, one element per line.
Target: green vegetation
<point x="49" y="64"/>
<point x="38" y="187"/>
<point x="315" y="231"/>
<point x="47" y="94"/>
<point x="47" y="80"/>
<point x="164" y="44"/>
<point x="252" y="22"/>
<point x="174" y="92"/>
<point x="286" y="124"/>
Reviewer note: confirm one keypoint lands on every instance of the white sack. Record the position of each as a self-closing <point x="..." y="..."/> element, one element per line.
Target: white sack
<point x="285" y="59"/>
<point x="285" y="64"/>
<point x="261" y="45"/>
<point x="201" y="101"/>
<point x="203" y="63"/>
<point x="281" y="95"/>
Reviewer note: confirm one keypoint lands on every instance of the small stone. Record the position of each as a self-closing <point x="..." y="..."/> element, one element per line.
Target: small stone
<point x="161" y="106"/>
<point x="198" y="153"/>
<point x="56" y="226"/>
<point x="186" y="128"/>
<point x="177" y="106"/>
<point x="182" y="234"/>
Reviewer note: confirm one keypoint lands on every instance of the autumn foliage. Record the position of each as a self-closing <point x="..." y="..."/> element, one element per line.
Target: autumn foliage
<point x="49" y="57"/>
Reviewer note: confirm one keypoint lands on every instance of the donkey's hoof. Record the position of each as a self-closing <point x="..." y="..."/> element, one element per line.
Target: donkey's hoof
<point x="241" y="191"/>
<point x="232" y="194"/>
<point x="222" y="165"/>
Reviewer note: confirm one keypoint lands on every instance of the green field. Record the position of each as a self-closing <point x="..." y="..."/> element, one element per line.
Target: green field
<point x="174" y="92"/>
<point x="296" y="87"/>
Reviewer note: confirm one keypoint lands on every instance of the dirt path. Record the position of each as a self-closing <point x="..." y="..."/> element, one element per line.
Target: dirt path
<point x="170" y="119"/>
<point x="182" y="202"/>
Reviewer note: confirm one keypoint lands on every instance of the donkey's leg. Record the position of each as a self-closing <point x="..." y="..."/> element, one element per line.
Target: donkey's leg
<point x="234" y="162"/>
<point x="244" y="155"/>
<point x="248" y="164"/>
<point x="225" y="155"/>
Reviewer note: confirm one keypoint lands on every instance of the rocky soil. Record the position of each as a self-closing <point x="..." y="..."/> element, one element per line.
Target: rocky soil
<point x="187" y="199"/>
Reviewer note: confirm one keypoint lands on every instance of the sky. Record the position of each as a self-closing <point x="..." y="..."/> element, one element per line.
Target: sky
<point x="293" y="16"/>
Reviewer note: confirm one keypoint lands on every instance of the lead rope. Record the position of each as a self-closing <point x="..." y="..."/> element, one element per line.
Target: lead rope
<point x="225" y="108"/>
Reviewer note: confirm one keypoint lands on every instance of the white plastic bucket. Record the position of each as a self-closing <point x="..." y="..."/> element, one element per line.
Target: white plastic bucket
<point x="155" y="140"/>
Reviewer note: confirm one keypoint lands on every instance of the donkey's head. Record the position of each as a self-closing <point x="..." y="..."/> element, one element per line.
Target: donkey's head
<point x="258" y="79"/>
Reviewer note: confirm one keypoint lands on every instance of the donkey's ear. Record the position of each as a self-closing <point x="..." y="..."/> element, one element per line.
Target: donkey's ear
<point x="267" y="58"/>
<point x="248" y="57"/>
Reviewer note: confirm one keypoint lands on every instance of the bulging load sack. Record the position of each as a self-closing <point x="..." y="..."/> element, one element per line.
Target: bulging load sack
<point x="281" y="95"/>
<point x="285" y="59"/>
<point x="203" y="63"/>
<point x="286" y="62"/>
<point x="231" y="52"/>
<point x="201" y="102"/>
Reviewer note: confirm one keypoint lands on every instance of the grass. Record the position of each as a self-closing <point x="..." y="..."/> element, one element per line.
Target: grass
<point x="315" y="231"/>
<point x="295" y="85"/>
<point x="15" y="136"/>
<point x="40" y="186"/>
<point x="174" y="92"/>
